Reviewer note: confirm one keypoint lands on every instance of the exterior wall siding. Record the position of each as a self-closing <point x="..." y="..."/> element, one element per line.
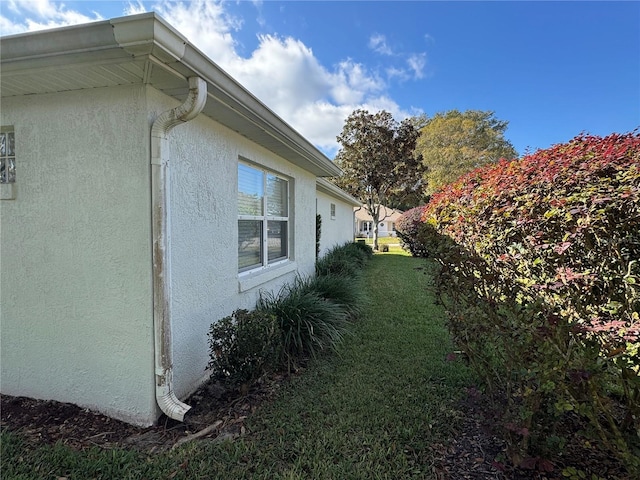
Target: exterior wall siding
<point x="76" y="284"/>
<point x="205" y="284"/>
<point x="337" y="230"/>
<point x="76" y="298"/>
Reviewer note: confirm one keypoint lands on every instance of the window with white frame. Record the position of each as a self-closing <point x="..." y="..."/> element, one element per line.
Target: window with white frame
<point x="7" y="155"/>
<point x="263" y="218"/>
<point x="333" y="210"/>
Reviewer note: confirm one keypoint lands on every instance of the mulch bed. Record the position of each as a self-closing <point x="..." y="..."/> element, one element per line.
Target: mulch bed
<point x="220" y="414"/>
<point x="214" y="406"/>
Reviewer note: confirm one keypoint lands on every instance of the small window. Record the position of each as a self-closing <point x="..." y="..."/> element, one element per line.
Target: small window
<point x="7" y="155"/>
<point x="333" y="210"/>
<point x="263" y="218"/>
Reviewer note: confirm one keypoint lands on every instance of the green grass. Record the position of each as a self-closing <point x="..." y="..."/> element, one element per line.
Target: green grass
<point x="381" y="240"/>
<point x="370" y="412"/>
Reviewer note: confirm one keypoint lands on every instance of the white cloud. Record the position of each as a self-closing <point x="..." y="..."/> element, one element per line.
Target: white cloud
<point x="378" y="43"/>
<point x="417" y="63"/>
<point x="40" y="15"/>
<point x="283" y="72"/>
<point x="134" y="8"/>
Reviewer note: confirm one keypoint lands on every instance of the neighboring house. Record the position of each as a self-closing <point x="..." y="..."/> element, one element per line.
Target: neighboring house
<point x="335" y="208"/>
<point x="386" y="226"/>
<point x="145" y="194"/>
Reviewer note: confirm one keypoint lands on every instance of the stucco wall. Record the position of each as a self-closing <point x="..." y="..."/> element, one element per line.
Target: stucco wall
<point x="337" y="230"/>
<point x="76" y="300"/>
<point x="205" y="284"/>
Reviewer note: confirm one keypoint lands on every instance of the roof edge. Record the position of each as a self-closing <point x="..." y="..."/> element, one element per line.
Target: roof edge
<point x="150" y="35"/>
<point x="330" y="189"/>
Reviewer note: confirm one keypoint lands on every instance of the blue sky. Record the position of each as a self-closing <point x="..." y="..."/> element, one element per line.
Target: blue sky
<point x="551" y="69"/>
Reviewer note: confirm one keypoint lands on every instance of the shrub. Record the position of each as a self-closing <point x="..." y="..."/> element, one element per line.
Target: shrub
<point x="313" y="313"/>
<point x="308" y="322"/>
<point x="243" y="346"/>
<point x="343" y="291"/>
<point x="541" y="275"/>
<point x="318" y="233"/>
<point x="409" y="227"/>
<point x="346" y="260"/>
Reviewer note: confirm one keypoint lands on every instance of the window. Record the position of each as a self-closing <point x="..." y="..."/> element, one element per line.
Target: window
<point x="263" y="218"/>
<point x="7" y="156"/>
<point x="333" y="210"/>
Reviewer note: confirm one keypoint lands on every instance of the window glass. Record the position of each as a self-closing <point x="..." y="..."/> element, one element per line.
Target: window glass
<point x="263" y="218"/>
<point x="249" y="244"/>
<point x="250" y="191"/>
<point x="277" y="193"/>
<point x="277" y="240"/>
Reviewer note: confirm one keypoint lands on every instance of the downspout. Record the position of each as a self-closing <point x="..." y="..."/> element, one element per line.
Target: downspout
<point x="192" y="106"/>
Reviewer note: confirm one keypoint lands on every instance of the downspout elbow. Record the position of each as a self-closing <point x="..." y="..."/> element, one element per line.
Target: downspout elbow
<point x="188" y="110"/>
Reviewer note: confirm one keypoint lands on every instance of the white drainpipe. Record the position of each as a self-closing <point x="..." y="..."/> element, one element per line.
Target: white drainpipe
<point x="192" y="106"/>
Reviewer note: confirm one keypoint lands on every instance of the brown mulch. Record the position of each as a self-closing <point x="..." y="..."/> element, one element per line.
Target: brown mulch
<point x="476" y="452"/>
<point x="222" y="410"/>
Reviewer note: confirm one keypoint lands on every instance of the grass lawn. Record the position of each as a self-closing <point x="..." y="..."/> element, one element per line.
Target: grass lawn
<point x="382" y="240"/>
<point x="371" y="412"/>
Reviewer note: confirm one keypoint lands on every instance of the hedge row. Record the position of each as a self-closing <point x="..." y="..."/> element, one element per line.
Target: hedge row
<point x="304" y="318"/>
<point x="541" y="275"/>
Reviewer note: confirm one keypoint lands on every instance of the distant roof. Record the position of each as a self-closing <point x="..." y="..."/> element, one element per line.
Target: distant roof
<point x="145" y="49"/>
<point x="386" y="213"/>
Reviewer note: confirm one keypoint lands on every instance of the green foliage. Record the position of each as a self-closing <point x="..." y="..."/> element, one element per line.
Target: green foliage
<point x="302" y="319"/>
<point x="344" y="291"/>
<point x="346" y="260"/>
<point x="308" y="322"/>
<point x="318" y="233"/>
<point x="378" y="161"/>
<point x="313" y="314"/>
<point x="541" y="275"/>
<point x="244" y="346"/>
<point x="454" y="143"/>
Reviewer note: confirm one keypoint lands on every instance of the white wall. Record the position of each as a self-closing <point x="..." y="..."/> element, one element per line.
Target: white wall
<point x="76" y="268"/>
<point x="205" y="284"/>
<point x="76" y="299"/>
<point x="336" y="230"/>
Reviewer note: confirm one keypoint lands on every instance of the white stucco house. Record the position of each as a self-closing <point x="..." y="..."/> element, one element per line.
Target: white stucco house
<point x="145" y="194"/>
<point x="335" y="208"/>
<point x="386" y="226"/>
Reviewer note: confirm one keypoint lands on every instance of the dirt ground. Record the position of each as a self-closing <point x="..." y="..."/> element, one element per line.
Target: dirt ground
<point x="220" y="413"/>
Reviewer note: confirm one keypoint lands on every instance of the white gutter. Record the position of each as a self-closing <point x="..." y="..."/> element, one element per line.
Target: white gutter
<point x="192" y="106"/>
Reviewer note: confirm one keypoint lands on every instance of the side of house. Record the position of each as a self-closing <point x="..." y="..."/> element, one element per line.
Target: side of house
<point x="335" y="208"/>
<point x="152" y="195"/>
<point x="76" y="279"/>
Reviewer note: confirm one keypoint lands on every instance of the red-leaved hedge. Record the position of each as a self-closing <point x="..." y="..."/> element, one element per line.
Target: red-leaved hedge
<point x="541" y="276"/>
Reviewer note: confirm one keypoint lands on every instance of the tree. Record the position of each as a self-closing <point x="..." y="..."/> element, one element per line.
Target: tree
<point x="378" y="162"/>
<point x="454" y="143"/>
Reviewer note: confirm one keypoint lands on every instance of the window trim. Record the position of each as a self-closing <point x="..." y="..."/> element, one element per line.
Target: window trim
<point x="265" y="218"/>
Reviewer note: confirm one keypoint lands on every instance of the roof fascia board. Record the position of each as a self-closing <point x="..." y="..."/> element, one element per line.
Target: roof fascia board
<point x="330" y="189"/>
<point x="229" y="92"/>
